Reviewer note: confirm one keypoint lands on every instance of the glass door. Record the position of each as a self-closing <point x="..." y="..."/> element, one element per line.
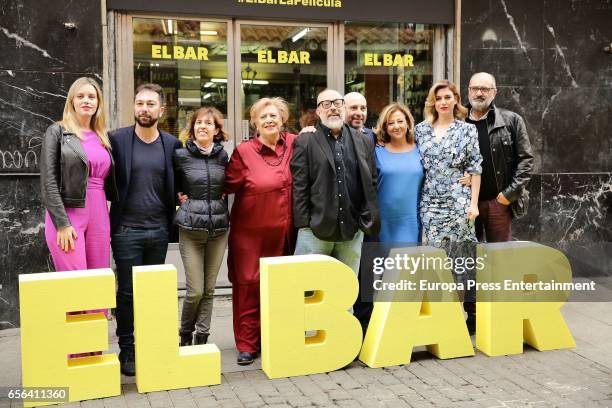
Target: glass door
<point x="289" y="60"/>
<point x="189" y="59"/>
<point x="388" y="62"/>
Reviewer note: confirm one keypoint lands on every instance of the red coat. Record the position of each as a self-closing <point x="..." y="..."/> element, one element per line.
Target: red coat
<point x="261" y="220"/>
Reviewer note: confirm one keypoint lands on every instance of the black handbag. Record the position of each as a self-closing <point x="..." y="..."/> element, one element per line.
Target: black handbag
<point x="521" y="205"/>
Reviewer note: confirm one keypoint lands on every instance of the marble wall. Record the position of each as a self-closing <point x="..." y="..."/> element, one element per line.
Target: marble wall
<point x="41" y="57"/>
<point x="551" y="67"/>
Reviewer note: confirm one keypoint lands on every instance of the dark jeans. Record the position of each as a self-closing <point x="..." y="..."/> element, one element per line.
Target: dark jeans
<point x="133" y="246"/>
<point x="363" y="306"/>
<point x="494" y="223"/>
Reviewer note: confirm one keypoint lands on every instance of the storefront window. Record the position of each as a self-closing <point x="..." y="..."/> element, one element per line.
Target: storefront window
<point x="389" y="62"/>
<point x="286" y="61"/>
<point x="188" y="58"/>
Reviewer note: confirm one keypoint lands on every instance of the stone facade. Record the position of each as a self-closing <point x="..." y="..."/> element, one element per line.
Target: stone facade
<point x="551" y="66"/>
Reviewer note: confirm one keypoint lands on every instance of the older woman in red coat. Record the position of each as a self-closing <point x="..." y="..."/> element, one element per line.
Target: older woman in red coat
<point x="261" y="218"/>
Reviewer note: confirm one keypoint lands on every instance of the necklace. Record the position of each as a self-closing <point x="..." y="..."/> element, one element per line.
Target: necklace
<point x="280" y="159"/>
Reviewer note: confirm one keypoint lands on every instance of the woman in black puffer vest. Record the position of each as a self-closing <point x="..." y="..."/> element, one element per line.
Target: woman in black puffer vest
<point x="203" y="219"/>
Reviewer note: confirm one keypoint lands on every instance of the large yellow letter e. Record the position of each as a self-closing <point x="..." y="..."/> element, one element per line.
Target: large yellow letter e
<point x="48" y="335"/>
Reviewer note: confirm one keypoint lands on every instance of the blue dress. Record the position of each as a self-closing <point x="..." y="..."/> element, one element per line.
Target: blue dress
<point x="400" y="178"/>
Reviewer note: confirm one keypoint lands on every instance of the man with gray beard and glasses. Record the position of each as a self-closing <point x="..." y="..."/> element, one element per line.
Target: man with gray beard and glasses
<point x="507" y="160"/>
<point x="506" y="168"/>
<point x="334" y="185"/>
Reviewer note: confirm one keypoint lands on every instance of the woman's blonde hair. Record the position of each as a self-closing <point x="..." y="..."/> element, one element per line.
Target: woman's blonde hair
<point x="381" y="127"/>
<point x="431" y="115"/>
<point x="217" y="118"/>
<point x="277" y="102"/>
<point x="69" y="119"/>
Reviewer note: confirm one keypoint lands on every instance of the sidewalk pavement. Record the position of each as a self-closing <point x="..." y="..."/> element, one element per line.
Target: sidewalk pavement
<point x="581" y="377"/>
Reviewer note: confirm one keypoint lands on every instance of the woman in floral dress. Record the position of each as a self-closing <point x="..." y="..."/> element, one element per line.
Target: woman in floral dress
<point x="448" y="147"/>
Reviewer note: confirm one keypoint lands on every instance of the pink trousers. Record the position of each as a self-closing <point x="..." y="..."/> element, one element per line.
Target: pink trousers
<point x="92" y="246"/>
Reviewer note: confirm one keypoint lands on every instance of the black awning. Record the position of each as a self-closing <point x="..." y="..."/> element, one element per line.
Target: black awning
<point x="406" y="11"/>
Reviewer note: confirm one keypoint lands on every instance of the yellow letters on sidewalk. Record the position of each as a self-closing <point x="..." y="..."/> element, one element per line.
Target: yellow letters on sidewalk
<point x="160" y="363"/>
<point x="404" y="316"/>
<point x="408" y="319"/>
<point x="48" y="335"/>
<point x="286" y="315"/>
<point x="507" y="318"/>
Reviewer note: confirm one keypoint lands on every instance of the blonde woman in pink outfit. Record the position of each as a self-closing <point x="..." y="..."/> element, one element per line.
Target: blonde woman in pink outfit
<point x="77" y="178"/>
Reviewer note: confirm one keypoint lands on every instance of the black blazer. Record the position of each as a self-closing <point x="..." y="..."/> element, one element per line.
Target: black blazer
<point x="122" y="141"/>
<point x="314" y="189"/>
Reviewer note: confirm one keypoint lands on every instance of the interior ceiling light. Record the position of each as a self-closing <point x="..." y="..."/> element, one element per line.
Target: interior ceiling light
<point x="300" y="34"/>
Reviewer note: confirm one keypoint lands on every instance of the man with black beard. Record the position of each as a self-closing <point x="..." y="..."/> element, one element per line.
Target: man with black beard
<point x="142" y="217"/>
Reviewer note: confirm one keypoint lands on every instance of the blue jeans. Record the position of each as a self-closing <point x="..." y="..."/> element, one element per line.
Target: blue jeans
<point x="347" y="252"/>
<point x="134" y="246"/>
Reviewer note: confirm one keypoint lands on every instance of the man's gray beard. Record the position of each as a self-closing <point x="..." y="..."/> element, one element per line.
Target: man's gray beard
<point x="333" y="124"/>
<point x="480" y="106"/>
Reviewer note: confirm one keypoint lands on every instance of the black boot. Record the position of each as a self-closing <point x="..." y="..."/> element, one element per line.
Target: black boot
<point x="470" y="309"/>
<point x="127" y="362"/>
<point x="200" y="339"/>
<point x="246" y="358"/>
<point x="186" y="339"/>
<point x="471" y="323"/>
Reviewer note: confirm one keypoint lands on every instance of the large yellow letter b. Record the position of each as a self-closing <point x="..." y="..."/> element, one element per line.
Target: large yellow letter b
<point x="286" y="315"/>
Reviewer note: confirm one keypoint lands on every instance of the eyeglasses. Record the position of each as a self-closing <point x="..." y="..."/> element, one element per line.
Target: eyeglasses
<point x="327" y="104"/>
<point x="475" y="89"/>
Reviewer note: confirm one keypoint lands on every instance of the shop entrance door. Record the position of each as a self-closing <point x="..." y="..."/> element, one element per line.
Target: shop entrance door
<point x="290" y="60"/>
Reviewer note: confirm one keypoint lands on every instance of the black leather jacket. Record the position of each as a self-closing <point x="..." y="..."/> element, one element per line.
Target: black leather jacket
<point x="201" y="178"/>
<point x="64" y="171"/>
<point x="510" y="151"/>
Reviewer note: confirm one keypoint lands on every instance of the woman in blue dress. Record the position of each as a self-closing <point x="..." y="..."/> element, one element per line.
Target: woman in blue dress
<point x="400" y="176"/>
<point x="449" y="147"/>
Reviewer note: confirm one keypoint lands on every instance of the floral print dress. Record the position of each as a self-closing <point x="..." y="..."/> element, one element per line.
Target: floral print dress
<point x="444" y="201"/>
